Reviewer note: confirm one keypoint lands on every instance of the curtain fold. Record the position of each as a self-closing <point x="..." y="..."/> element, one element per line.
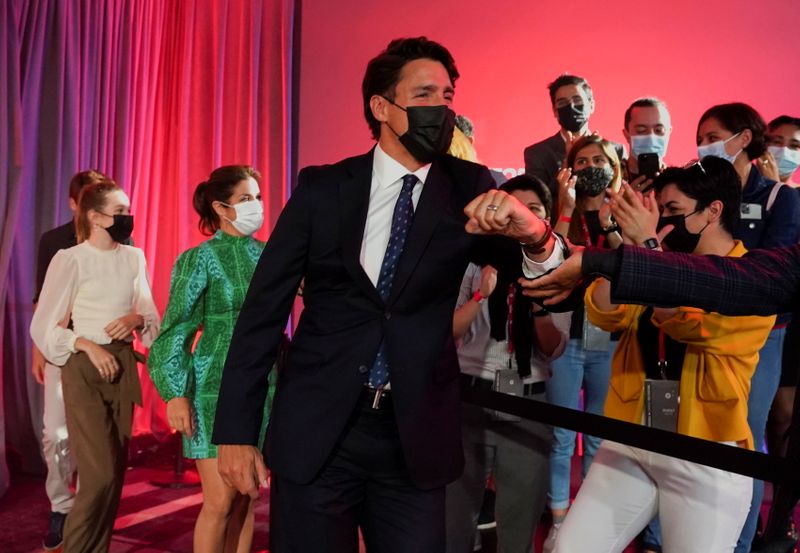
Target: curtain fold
<point x="155" y="94"/>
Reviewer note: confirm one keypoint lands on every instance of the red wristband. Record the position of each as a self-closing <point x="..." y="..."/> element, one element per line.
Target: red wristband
<point x="477" y="296"/>
<point x="564" y="219"/>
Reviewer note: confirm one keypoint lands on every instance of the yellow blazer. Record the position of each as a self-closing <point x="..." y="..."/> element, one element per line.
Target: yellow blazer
<point x="721" y="356"/>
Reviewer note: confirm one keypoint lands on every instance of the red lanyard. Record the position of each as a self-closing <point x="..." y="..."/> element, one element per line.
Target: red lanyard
<point x="510" y="323"/>
<point x="588" y="237"/>
<point x="662" y="355"/>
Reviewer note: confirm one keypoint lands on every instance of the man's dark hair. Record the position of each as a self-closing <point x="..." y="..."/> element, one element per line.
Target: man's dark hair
<point x="383" y="71"/>
<point x="79" y="180"/>
<point x="737" y="117"/>
<point x="711" y="179"/>
<point x="648" y="102"/>
<point x="783" y="120"/>
<point x="532" y="184"/>
<point x="565" y="80"/>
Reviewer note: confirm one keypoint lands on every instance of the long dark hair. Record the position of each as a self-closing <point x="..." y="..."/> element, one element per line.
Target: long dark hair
<point x="218" y="188"/>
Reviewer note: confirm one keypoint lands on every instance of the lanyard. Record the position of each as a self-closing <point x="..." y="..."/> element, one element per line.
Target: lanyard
<point x="662" y="355"/>
<point x="510" y="322"/>
<point x="588" y="237"/>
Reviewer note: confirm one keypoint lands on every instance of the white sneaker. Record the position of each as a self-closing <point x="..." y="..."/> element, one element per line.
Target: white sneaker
<point x="550" y="541"/>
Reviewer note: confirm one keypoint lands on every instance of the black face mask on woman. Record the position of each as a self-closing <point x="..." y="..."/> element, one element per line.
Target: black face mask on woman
<point x="122" y="228"/>
<point x="679" y="238"/>
<point x="430" y="131"/>
<point x="592" y="181"/>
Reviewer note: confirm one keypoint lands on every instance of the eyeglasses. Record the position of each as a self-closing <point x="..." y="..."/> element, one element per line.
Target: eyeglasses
<point x="696" y="163"/>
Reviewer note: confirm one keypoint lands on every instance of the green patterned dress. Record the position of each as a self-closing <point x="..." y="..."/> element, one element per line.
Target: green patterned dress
<point x="208" y="287"/>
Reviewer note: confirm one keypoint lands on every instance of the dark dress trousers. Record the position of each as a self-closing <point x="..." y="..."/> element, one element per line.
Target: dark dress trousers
<point x="318" y="236"/>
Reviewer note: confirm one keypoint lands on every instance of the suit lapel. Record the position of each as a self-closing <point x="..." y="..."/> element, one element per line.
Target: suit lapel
<point x="353" y="205"/>
<point x="430" y="209"/>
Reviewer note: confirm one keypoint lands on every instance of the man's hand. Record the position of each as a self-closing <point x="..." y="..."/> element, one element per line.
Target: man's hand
<point x="557" y="285"/>
<point x="121" y="328"/>
<point x="179" y="415"/>
<point x="242" y="468"/>
<point x="37" y="365"/>
<point x="496" y="212"/>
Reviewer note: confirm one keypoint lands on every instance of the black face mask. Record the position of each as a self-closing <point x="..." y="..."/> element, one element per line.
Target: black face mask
<point x="679" y="239"/>
<point x="592" y="181"/>
<point x="572" y="117"/>
<point x="430" y="131"/>
<point x="122" y="228"/>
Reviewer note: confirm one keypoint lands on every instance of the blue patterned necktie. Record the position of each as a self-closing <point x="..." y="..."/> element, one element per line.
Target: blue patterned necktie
<point x="401" y="222"/>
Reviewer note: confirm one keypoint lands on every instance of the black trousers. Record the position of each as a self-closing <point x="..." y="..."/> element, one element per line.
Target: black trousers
<point x="364" y="484"/>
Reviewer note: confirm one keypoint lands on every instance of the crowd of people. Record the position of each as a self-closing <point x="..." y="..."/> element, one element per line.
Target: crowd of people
<point x="410" y="262"/>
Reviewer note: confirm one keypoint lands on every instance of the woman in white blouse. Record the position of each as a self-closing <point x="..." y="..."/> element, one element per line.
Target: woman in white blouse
<point x="95" y="295"/>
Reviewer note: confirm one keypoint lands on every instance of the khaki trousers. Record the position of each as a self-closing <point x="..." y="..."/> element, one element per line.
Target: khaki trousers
<point x="99" y="416"/>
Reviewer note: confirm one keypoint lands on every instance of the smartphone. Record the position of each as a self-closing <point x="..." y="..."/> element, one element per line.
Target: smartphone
<point x="649" y="164"/>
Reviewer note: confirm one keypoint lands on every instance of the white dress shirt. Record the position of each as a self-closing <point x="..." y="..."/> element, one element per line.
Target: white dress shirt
<point x="387" y="181"/>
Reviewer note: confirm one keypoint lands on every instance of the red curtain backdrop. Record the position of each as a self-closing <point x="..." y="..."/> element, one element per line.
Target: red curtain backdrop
<point x="155" y="94"/>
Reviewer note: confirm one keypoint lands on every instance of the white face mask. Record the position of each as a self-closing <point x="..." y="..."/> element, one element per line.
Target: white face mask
<point x="717" y="149"/>
<point x="649" y="144"/>
<point x="788" y="160"/>
<point x="249" y="216"/>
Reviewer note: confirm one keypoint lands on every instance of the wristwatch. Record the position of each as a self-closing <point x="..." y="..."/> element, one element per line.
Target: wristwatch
<point x="651" y="244"/>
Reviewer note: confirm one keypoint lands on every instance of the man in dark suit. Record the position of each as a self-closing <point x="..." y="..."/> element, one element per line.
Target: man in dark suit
<point x="364" y="431"/>
<point x="572" y="101"/>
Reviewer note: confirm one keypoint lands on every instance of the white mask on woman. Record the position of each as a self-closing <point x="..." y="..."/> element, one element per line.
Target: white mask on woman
<point x="249" y="216"/>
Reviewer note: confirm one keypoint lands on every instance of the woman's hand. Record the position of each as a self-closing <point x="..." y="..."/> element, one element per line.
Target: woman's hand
<point x="105" y="363"/>
<point x="179" y="415"/>
<point x="768" y="166"/>
<point x="488" y="281"/>
<point x="566" y="190"/>
<point x="636" y="214"/>
<point x="121" y="328"/>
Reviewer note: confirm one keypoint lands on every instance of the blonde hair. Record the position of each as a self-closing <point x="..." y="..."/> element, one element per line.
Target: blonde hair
<point x="461" y="147"/>
<point x="92" y="196"/>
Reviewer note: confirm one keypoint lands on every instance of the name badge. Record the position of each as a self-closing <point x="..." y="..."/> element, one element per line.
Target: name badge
<point x="507" y="381"/>
<point x="661" y="402"/>
<point x="751" y="211"/>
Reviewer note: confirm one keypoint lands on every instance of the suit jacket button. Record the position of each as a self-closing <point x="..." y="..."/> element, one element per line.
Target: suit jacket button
<point x="363" y="369"/>
<point x="387" y="315"/>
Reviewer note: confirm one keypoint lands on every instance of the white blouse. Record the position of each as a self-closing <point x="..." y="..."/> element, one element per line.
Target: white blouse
<point x="91" y="287"/>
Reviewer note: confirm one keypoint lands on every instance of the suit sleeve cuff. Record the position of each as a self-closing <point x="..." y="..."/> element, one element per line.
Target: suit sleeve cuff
<point x="600" y="262"/>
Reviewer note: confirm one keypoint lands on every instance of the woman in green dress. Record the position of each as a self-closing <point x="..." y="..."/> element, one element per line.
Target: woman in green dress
<point x="209" y="284"/>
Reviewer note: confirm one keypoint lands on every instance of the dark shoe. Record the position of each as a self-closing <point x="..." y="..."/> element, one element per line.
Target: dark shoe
<point x="486" y="518"/>
<point x="55" y="533"/>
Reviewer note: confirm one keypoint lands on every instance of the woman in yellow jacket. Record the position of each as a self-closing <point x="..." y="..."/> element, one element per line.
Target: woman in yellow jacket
<point x="706" y="357"/>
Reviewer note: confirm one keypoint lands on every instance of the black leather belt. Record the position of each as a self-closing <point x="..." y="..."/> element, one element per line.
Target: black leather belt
<point x="527" y="389"/>
<point x="376" y="398"/>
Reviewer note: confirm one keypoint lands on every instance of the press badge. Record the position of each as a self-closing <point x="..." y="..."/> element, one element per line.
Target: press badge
<point x="750" y="211"/>
<point x="594" y="337"/>
<point x="507" y="381"/>
<point x="661" y="402"/>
